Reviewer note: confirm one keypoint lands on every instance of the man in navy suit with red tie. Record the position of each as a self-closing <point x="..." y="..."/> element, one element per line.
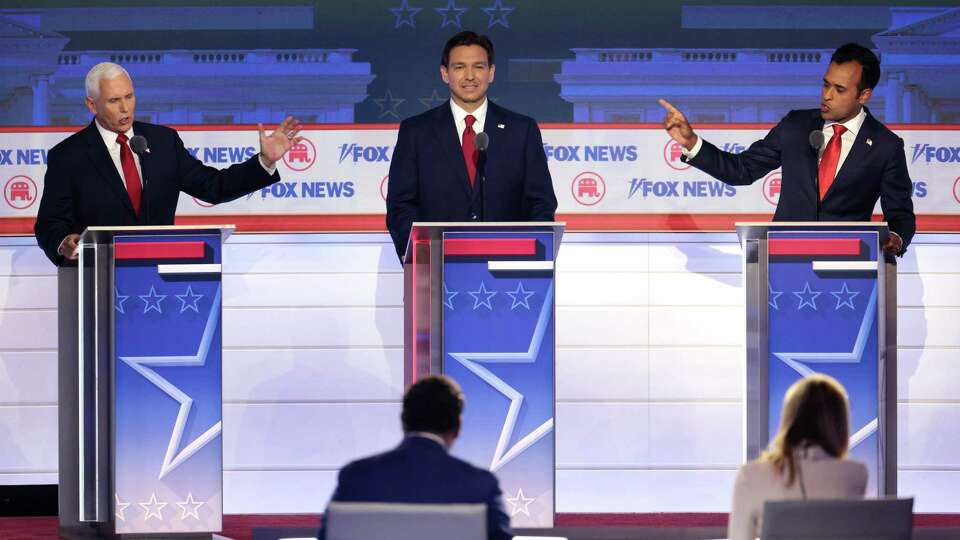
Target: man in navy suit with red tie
<point x="437" y="172"/>
<point x="94" y="177"/>
<point x="837" y="161"/>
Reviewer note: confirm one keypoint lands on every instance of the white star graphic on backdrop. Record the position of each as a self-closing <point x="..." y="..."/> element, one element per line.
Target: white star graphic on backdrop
<point x="120" y="507"/>
<point x="845" y="296"/>
<point x="520" y="504"/>
<point x="520" y="297"/>
<point x="190" y="507"/>
<point x="388" y="105"/>
<point x="119" y="299"/>
<point x="188" y="300"/>
<point x="153" y="507"/>
<point x="799" y="360"/>
<point x="807" y="297"/>
<point x="772" y="296"/>
<point x="405" y="14"/>
<point x="151" y="300"/>
<point x="448" y="296"/>
<point x="173" y="458"/>
<point x="472" y="361"/>
<point x="498" y="14"/>
<point x="449" y="18"/>
<point x="482" y="291"/>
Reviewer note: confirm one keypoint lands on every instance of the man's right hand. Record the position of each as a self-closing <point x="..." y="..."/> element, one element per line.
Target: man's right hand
<point x="677" y="126"/>
<point x="69" y="247"/>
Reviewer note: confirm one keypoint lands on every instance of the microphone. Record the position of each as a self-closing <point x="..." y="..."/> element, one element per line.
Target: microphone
<point x="138" y="143"/>
<point x="481" y="142"/>
<point x="816" y="139"/>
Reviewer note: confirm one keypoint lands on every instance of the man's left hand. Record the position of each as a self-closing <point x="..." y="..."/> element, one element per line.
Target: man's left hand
<point x="893" y="244"/>
<point x="275" y="145"/>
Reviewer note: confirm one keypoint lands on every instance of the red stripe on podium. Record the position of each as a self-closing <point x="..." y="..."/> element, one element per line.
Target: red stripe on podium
<point x="785" y="247"/>
<point x="159" y="250"/>
<point x="489" y="247"/>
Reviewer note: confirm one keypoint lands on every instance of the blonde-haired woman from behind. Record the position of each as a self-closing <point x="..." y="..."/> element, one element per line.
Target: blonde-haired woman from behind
<point x="805" y="460"/>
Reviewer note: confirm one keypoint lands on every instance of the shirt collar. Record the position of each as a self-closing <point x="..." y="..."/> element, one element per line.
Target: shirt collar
<point x="110" y="137"/>
<point x="853" y="125"/>
<point x="480" y="114"/>
<point x="426" y="435"/>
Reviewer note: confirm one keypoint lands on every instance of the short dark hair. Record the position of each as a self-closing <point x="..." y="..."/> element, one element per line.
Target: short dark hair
<point x="870" y="75"/>
<point x="464" y="38"/>
<point x="432" y="404"/>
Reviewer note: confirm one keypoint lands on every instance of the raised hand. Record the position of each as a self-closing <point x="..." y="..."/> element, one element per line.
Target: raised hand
<point x="677" y="126"/>
<point x="275" y="145"/>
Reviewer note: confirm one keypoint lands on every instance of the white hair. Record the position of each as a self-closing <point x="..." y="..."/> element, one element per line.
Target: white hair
<point x="103" y="70"/>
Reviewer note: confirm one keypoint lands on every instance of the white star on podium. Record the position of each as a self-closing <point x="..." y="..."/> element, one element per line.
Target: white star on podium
<point x="448" y="296"/>
<point x="482" y="291"/>
<point x="188" y="300"/>
<point x="153" y="507"/>
<point x="807" y="296"/>
<point x="121" y="506"/>
<point x="845" y="296"/>
<point x="151" y="300"/>
<point x="190" y="507"/>
<point x="520" y="504"/>
<point x="520" y="297"/>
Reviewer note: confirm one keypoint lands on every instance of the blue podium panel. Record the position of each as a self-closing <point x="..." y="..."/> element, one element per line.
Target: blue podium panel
<point x="498" y="338"/>
<point x="822" y="312"/>
<point x="168" y="459"/>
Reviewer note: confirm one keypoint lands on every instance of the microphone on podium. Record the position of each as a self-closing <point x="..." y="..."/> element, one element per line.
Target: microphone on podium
<point x="481" y="142"/>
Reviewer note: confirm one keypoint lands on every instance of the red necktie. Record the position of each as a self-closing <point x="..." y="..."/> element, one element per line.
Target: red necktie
<point x="470" y="154"/>
<point x="130" y="175"/>
<point x="829" y="160"/>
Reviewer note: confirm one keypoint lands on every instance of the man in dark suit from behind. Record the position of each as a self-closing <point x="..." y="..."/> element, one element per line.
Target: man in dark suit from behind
<point x="95" y="178"/>
<point x="437" y="172"/>
<point x="420" y="469"/>
<point x="837" y="160"/>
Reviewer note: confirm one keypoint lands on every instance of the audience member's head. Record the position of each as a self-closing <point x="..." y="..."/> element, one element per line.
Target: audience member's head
<point x="433" y="405"/>
<point x="815" y="412"/>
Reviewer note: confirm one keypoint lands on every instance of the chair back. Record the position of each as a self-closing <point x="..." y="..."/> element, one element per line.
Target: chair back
<point x="873" y="519"/>
<point x="368" y="521"/>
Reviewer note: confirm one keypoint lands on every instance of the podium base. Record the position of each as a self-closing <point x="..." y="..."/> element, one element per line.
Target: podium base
<point x="97" y="531"/>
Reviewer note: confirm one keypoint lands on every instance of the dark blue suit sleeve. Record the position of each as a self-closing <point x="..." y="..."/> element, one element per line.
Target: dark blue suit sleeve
<point x="215" y="186"/>
<point x="402" y="189"/>
<point x="744" y="168"/>
<point x="539" y="199"/>
<point x="55" y="217"/>
<point x="896" y="190"/>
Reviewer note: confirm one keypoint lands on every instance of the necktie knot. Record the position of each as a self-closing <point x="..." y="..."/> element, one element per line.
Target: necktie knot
<point x="470" y="120"/>
<point x="122" y="138"/>
<point x="839" y="129"/>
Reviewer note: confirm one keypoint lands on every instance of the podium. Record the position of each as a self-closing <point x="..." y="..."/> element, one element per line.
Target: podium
<point x="821" y="297"/>
<point x="479" y="302"/>
<point x="140" y="383"/>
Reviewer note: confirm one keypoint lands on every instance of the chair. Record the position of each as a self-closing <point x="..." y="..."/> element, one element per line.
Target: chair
<point x="370" y="521"/>
<point x="873" y="519"/>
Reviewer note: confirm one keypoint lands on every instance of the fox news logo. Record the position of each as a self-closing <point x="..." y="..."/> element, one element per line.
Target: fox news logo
<point x="600" y="152"/>
<point x="939" y="154"/>
<point x="368" y="154"/>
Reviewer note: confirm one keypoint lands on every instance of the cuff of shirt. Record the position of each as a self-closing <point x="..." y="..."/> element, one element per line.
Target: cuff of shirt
<point x="692" y="153"/>
<point x="271" y="169"/>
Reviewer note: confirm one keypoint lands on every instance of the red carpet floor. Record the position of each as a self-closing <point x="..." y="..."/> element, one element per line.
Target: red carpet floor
<point x="240" y="527"/>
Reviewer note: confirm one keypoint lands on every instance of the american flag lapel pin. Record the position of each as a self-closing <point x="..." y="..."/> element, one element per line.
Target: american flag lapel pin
<point x="869" y="142"/>
<point x="501" y="126"/>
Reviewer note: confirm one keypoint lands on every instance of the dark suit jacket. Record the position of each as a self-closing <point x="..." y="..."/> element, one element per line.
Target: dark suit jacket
<point x="421" y="471"/>
<point x="82" y="187"/>
<point x="870" y="171"/>
<point x="429" y="182"/>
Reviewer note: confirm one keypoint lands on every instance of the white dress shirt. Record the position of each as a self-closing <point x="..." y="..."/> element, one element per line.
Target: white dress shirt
<point x="460" y="118"/>
<point x="113" y="148"/>
<point x="823" y="477"/>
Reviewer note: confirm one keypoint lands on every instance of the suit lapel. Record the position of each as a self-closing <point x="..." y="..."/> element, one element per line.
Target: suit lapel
<point x="103" y="163"/>
<point x="856" y="156"/>
<point x="446" y="132"/>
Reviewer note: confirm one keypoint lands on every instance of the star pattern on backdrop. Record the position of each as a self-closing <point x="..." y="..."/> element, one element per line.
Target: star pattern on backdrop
<point x="772" y="296"/>
<point x="845" y="296"/>
<point x="388" y="105"/>
<point x="120" y="507"/>
<point x="451" y="14"/>
<point x="520" y="297"/>
<point x="448" y="296"/>
<point x="498" y="14"/>
<point x="175" y="456"/>
<point x="485" y="294"/>
<point x="188" y="300"/>
<point x="807" y="296"/>
<point x="473" y="362"/>
<point x="405" y="14"/>
<point x="190" y="507"/>
<point x="151" y="300"/>
<point x="433" y="100"/>
<point x="118" y="300"/>
<point x="152" y="508"/>
<point x="520" y="504"/>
